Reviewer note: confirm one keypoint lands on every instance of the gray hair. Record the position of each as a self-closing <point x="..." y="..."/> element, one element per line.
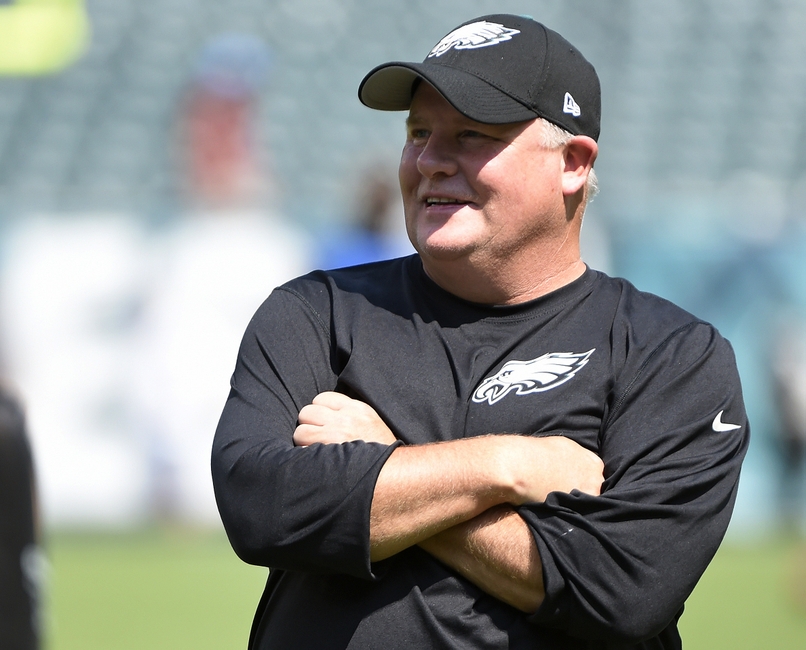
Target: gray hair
<point x="556" y="137"/>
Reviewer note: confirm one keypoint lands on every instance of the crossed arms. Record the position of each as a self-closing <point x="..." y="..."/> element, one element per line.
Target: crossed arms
<point x="455" y="499"/>
<point x="613" y="566"/>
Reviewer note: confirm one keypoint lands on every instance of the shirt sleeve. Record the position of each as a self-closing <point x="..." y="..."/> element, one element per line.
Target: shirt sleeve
<point x="619" y="566"/>
<point x="298" y="508"/>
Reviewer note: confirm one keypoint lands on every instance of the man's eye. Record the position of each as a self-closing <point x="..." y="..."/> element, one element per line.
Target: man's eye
<point x="417" y="134"/>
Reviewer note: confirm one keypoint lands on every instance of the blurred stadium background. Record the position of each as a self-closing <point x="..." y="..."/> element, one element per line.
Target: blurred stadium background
<point x="165" y="163"/>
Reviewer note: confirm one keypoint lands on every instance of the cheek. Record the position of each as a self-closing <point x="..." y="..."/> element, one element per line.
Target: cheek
<point x="500" y="187"/>
<point x="408" y="175"/>
<point x="534" y="183"/>
<point x="409" y="179"/>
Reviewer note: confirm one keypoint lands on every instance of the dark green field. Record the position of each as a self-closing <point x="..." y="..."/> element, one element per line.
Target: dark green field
<point x="178" y="590"/>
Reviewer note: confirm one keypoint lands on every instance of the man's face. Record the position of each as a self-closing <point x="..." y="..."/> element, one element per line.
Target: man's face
<point x="477" y="191"/>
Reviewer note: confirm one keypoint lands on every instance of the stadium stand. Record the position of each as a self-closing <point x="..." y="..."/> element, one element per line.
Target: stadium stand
<point x="694" y="92"/>
<point x="702" y="165"/>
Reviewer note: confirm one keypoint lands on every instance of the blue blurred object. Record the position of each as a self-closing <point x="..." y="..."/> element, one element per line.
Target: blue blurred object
<point x="745" y="286"/>
<point x="233" y="65"/>
<point x="353" y="246"/>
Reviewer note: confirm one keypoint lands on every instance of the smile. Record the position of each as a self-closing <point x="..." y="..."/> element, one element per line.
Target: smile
<point x="443" y="201"/>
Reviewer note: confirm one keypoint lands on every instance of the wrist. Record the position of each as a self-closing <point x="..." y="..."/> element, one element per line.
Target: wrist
<point x="503" y="458"/>
<point x="525" y="468"/>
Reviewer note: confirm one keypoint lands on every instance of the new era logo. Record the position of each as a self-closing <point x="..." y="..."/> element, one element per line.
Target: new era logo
<point x="570" y="106"/>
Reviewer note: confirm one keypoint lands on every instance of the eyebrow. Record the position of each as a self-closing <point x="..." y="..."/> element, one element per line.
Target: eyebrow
<point x="412" y="120"/>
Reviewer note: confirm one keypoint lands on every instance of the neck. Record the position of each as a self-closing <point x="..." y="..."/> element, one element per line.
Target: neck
<point x="480" y="286"/>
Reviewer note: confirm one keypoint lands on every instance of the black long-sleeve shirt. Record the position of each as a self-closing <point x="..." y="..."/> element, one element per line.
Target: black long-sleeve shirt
<point x="647" y="386"/>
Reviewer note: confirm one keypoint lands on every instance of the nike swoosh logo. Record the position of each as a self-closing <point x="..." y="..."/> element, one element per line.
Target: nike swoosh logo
<point x="719" y="426"/>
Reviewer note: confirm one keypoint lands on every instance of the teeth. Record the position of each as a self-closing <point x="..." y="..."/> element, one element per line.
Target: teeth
<point x="439" y="200"/>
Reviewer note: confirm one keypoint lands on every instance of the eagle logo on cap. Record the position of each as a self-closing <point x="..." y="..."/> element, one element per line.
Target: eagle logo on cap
<point x="473" y="36"/>
<point x="535" y="376"/>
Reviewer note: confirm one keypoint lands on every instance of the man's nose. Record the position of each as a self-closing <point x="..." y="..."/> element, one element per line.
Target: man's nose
<point x="437" y="157"/>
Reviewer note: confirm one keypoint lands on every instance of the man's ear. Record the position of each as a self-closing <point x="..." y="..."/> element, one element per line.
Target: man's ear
<point x="578" y="157"/>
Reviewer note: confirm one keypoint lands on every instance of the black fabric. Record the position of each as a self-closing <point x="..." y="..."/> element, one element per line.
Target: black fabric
<point x="648" y="382"/>
<point x="18" y="590"/>
<point x="498" y="69"/>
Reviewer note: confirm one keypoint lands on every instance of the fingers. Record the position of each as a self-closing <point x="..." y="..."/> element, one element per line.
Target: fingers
<point x="314" y="414"/>
<point x="309" y="434"/>
<point x="321" y="409"/>
<point x="335" y="418"/>
<point x="333" y="400"/>
<point x="306" y="434"/>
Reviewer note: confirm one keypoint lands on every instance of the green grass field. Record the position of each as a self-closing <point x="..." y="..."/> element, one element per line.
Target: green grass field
<point x="153" y="590"/>
<point x="752" y="597"/>
<point x="179" y="590"/>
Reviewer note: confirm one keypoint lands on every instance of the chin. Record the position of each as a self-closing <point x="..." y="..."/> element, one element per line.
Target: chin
<point x="441" y="243"/>
<point x="443" y="252"/>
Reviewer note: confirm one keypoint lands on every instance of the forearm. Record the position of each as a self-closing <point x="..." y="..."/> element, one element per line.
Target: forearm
<point x="497" y="552"/>
<point x="424" y="490"/>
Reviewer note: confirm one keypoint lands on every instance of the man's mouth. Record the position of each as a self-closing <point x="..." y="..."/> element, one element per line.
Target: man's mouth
<point x="435" y="200"/>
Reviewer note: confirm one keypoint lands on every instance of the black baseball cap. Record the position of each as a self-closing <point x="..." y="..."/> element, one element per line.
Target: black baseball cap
<point x="498" y="69"/>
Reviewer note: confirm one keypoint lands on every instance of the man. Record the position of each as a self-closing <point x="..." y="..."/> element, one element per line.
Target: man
<point x="20" y="555"/>
<point x="487" y="444"/>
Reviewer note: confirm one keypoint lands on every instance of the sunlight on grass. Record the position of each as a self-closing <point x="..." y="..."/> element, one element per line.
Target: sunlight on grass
<point x="176" y="590"/>
<point x="752" y="596"/>
<point x="154" y="589"/>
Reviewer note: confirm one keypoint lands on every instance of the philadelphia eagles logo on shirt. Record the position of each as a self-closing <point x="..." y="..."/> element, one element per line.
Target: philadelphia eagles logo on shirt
<point x="475" y="35"/>
<point x="535" y="376"/>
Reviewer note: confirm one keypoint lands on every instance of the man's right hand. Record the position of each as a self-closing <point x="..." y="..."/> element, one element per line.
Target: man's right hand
<point x="334" y="418"/>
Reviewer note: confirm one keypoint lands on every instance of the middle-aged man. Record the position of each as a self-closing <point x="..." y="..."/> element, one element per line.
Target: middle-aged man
<point x="486" y="444"/>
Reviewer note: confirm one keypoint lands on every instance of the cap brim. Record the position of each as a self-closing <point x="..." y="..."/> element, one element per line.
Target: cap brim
<point x="389" y="88"/>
